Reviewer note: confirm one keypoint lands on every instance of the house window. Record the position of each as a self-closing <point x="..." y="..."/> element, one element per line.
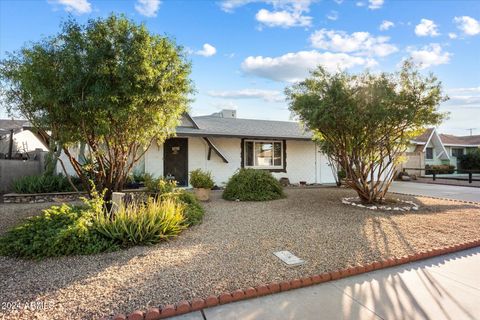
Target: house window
<point x="457" y="152"/>
<point x="263" y="154"/>
<point x="429" y="153"/>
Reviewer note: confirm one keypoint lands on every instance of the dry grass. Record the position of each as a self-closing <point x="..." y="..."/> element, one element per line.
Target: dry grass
<point x="233" y="249"/>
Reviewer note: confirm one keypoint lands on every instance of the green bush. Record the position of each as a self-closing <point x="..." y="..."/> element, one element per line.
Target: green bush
<point x="42" y="184"/>
<point x="471" y="160"/>
<point x="159" y="186"/>
<point x="193" y="211"/>
<point x="253" y="185"/>
<point x="201" y="179"/>
<point x="439" y="169"/>
<point x="58" y="231"/>
<point x="140" y="223"/>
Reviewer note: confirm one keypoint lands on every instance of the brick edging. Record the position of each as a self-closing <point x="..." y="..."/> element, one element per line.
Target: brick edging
<point x="197" y="304"/>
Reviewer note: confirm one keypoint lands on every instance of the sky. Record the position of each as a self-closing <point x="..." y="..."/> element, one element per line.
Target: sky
<point x="245" y="52"/>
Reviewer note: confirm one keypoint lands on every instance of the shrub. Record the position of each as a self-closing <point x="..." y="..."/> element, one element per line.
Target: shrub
<point x="159" y="186"/>
<point x="471" y="160"/>
<point x="201" y="179"/>
<point x="42" y="184"/>
<point x="439" y="169"/>
<point x="253" y="185"/>
<point x="141" y="223"/>
<point x="59" y="230"/>
<point x="193" y="211"/>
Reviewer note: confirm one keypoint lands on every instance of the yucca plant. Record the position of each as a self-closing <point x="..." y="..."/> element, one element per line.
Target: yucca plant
<point x="141" y="223"/>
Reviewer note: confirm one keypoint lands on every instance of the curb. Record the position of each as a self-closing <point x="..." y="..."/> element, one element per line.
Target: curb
<point x="439" y="198"/>
<point x="196" y="304"/>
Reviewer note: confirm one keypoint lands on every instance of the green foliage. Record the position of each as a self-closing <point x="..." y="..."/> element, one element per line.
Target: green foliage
<point x="59" y="230"/>
<point x="139" y="223"/>
<point x="139" y="176"/>
<point x="471" y="160"/>
<point x="109" y="85"/>
<point x="365" y="122"/>
<point x="72" y="230"/>
<point x="201" y="179"/>
<point x="439" y="169"/>
<point x="42" y="184"/>
<point x="159" y="185"/>
<point x="193" y="211"/>
<point x="253" y="185"/>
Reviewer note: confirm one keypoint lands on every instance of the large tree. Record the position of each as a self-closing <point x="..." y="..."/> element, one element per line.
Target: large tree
<point x="364" y="122"/>
<point x="109" y="87"/>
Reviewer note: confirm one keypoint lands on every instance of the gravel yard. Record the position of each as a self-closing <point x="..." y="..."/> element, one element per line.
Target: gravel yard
<point x="232" y="249"/>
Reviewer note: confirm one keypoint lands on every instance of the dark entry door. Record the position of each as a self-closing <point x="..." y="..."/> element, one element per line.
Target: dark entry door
<point x="175" y="160"/>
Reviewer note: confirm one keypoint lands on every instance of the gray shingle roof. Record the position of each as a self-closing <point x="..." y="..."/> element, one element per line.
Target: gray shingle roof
<point x="8" y="124"/>
<point x="211" y="126"/>
<point x="448" y="139"/>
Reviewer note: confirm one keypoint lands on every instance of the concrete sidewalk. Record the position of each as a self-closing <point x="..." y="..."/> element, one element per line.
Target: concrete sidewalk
<point x="437" y="190"/>
<point x="446" y="287"/>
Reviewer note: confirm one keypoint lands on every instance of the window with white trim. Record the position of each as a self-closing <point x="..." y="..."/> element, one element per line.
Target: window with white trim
<point x="263" y="154"/>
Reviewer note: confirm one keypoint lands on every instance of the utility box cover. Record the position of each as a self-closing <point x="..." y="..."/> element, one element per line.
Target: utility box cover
<point x="289" y="258"/>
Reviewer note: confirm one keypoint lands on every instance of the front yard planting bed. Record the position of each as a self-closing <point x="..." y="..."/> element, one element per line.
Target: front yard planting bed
<point x="233" y="249"/>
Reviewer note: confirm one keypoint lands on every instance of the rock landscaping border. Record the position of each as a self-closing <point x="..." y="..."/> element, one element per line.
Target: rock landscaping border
<point x="354" y="201"/>
<point x="197" y="304"/>
<point x="55" y="196"/>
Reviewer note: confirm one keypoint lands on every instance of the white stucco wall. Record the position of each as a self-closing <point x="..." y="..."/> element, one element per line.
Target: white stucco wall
<point x="304" y="162"/>
<point x="23" y="141"/>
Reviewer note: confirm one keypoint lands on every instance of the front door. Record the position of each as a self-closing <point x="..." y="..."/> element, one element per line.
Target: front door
<point x="175" y="160"/>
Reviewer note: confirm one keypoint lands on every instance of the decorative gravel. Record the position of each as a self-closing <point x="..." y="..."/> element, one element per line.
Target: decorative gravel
<point x="232" y="249"/>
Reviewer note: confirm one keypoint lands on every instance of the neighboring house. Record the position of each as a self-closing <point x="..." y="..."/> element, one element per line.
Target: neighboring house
<point x="432" y="148"/>
<point x="24" y="140"/>
<point x="222" y="144"/>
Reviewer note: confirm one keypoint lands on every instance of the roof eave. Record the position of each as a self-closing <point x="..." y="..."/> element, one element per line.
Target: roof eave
<point x="240" y="136"/>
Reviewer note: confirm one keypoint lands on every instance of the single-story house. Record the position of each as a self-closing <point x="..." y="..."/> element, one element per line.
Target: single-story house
<point x="433" y="148"/>
<point x="222" y="143"/>
<point x="22" y="138"/>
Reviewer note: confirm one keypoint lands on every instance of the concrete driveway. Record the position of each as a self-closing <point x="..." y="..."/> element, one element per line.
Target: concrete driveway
<point x="446" y="287"/>
<point x="437" y="190"/>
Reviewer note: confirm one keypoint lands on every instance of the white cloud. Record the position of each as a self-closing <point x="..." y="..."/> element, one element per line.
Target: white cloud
<point x="452" y="35"/>
<point x="426" y="28"/>
<point x="207" y="50"/>
<point x="283" y="18"/>
<point x="468" y="25"/>
<point x="362" y="43"/>
<point x="375" y="4"/>
<point x="285" y="13"/>
<point x="360" y="4"/>
<point x="75" y="6"/>
<point x="295" y="66"/>
<point x="470" y="90"/>
<point x="333" y="15"/>
<point x="266" y="95"/>
<point x="385" y="25"/>
<point x="231" y="5"/>
<point x="338" y="1"/>
<point x="431" y="55"/>
<point x="148" y="8"/>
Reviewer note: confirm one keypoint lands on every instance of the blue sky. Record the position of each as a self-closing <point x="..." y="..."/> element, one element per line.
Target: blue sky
<point x="244" y="52"/>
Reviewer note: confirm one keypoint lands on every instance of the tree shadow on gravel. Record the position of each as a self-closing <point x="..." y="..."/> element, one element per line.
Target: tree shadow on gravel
<point x="232" y="249"/>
